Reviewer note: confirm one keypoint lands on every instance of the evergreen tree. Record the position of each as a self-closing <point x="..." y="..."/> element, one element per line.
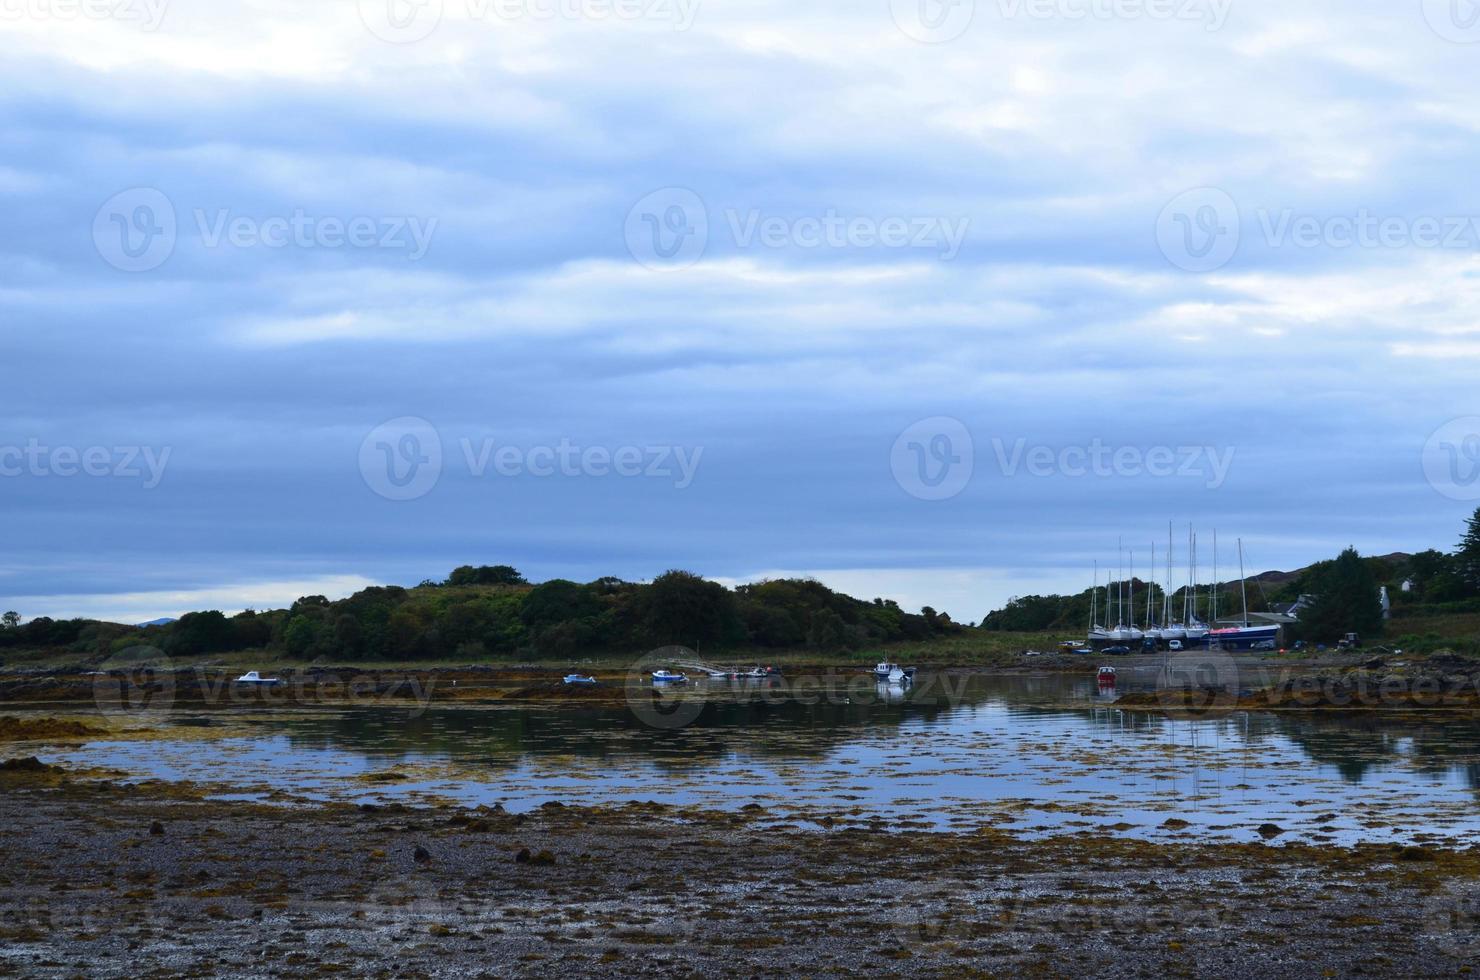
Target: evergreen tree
<point x="1467" y="559"/>
<point x="1346" y="601"/>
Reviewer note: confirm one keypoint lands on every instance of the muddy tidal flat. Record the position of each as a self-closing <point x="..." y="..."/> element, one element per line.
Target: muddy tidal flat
<point x="968" y="825"/>
<point x="107" y="879"/>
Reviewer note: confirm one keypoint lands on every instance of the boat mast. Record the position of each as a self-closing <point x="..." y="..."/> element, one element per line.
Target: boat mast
<point x="1132" y="602"/>
<point x="1166" y="594"/>
<point x="1094" y="595"/>
<point x="1213" y="592"/>
<point x="1195" y="578"/>
<point x="1148" y="584"/>
<point x="1243" y="585"/>
<point x="1191" y="574"/>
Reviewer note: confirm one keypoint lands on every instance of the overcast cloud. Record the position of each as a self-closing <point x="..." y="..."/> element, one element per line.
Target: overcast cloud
<point x="930" y="301"/>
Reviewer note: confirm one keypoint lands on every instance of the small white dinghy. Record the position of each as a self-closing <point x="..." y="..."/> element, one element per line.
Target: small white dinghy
<point x="257" y="680"/>
<point x="578" y="679"/>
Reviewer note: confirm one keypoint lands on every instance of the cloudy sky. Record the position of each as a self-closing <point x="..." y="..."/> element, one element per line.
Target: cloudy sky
<point x="935" y="301"/>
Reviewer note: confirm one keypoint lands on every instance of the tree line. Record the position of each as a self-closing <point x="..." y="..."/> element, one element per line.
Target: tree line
<point x="491" y="612"/>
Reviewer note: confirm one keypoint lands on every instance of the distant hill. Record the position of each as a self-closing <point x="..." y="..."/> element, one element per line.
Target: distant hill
<point x="1282" y="578"/>
<point x="162" y="621"/>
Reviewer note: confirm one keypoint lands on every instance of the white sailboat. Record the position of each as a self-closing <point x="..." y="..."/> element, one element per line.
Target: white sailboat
<point x="1153" y="632"/>
<point x="1126" y="632"/>
<point x="1171" y="629"/>
<point x="1097" y="632"/>
<point x="1197" y="630"/>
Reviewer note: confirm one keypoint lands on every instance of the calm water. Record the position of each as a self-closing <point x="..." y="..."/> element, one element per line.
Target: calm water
<point x="1038" y="755"/>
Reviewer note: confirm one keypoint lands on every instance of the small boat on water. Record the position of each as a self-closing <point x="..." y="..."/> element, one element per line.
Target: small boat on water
<point x="893" y="673"/>
<point x="736" y="674"/>
<point x="1106" y="674"/>
<point x="578" y="679"/>
<point x="255" y="679"/>
<point x="668" y="677"/>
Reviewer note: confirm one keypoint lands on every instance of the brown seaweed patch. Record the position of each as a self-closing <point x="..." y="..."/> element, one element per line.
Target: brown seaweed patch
<point x="13" y="729"/>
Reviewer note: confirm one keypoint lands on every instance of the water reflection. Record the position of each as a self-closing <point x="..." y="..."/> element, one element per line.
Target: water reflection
<point x="1053" y="753"/>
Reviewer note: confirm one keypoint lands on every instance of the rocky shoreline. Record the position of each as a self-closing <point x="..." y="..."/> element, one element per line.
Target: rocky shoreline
<point x="109" y="879"/>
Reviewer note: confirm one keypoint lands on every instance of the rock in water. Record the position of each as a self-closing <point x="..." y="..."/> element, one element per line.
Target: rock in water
<point x="29" y="764"/>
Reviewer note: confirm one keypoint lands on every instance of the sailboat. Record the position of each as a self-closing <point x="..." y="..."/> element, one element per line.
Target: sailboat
<point x="1153" y="632"/>
<point x="1197" y="630"/>
<point x="1245" y="636"/>
<point x="1123" y="632"/>
<point x="1097" y="632"/>
<point x="1171" y="629"/>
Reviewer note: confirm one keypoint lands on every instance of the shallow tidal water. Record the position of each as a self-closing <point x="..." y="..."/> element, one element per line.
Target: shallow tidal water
<point x="1038" y="755"/>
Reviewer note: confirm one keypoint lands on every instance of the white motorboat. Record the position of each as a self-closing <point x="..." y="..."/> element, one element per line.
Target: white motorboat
<point x="668" y="677"/>
<point x="253" y="678"/>
<point x="736" y="674"/>
<point x="893" y="673"/>
<point x="578" y="679"/>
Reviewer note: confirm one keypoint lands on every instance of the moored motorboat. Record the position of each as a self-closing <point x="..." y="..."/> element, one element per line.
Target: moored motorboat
<point x="893" y="673"/>
<point x="668" y="677"/>
<point x="1106" y="674"/>
<point x="255" y="679"/>
<point x="579" y="679"/>
<point x="736" y="674"/>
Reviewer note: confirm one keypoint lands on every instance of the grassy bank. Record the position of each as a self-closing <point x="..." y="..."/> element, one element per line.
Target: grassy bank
<point x="973" y="648"/>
